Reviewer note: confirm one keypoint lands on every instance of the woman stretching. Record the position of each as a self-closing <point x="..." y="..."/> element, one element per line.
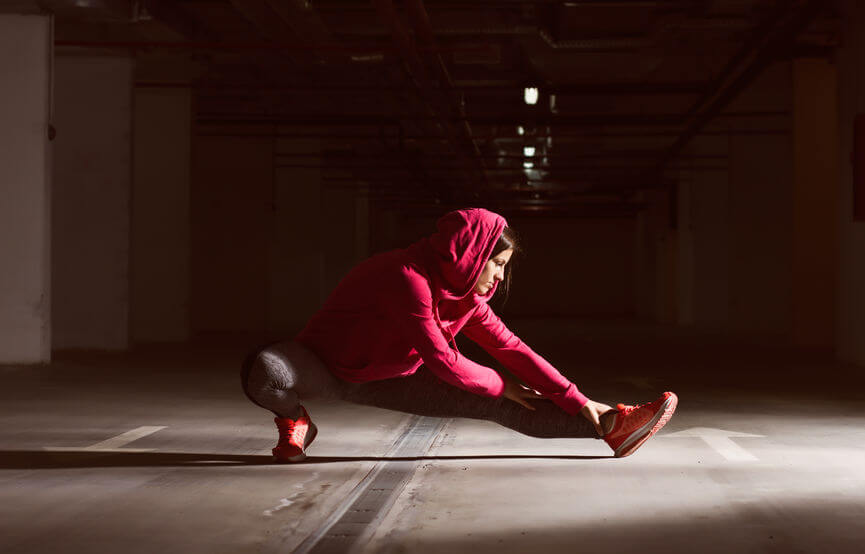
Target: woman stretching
<point x="401" y="309"/>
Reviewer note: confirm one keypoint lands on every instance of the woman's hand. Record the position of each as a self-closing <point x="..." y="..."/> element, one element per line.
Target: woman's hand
<point x="593" y="411"/>
<point x="520" y="393"/>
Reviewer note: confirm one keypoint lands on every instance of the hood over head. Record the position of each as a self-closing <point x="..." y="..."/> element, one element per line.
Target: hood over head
<point x="461" y="247"/>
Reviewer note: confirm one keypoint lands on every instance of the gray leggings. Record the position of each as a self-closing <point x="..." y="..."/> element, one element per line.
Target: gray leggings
<point x="279" y="376"/>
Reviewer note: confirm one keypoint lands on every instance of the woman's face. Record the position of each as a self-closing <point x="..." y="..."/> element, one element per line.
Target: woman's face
<point x="493" y="271"/>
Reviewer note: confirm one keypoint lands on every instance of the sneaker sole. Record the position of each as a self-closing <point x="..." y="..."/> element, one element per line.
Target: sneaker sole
<point x="654" y="425"/>
<point x="313" y="431"/>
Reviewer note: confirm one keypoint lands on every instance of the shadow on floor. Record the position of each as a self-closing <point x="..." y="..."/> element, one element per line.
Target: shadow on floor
<point x="40" y="459"/>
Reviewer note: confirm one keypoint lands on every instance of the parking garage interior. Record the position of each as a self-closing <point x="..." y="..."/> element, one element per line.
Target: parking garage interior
<point x="183" y="180"/>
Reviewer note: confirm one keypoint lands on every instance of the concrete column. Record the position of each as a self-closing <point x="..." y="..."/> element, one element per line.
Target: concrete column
<point x="25" y="224"/>
<point x="644" y="264"/>
<point x="685" y="252"/>
<point x="850" y="300"/>
<point x="760" y="214"/>
<point x="92" y="178"/>
<point x="160" y="267"/>
<point x="815" y="199"/>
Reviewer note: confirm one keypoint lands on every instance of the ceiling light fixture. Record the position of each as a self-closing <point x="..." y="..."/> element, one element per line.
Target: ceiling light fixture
<point x="530" y="94"/>
<point x="528" y="151"/>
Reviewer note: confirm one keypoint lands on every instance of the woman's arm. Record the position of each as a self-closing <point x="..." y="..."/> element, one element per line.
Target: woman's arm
<point x="486" y="328"/>
<point x="409" y="303"/>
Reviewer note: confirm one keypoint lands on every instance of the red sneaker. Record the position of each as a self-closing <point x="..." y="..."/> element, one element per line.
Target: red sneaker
<point x="634" y="425"/>
<point x="295" y="435"/>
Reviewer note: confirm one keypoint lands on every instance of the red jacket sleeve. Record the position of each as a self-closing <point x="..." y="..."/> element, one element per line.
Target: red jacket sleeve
<point x="485" y="328"/>
<point x="409" y="302"/>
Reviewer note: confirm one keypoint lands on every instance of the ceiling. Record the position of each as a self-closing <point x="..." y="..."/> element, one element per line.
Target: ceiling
<point x="424" y="99"/>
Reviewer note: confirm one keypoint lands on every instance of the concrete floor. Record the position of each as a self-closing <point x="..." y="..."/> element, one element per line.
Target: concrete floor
<point x="200" y="477"/>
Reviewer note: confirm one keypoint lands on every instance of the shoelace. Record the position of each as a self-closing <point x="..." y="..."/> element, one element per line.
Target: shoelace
<point x="628" y="409"/>
<point x="292" y="430"/>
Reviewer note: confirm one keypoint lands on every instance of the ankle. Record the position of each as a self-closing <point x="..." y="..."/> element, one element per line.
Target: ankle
<point x="294" y="415"/>
<point x="606" y="420"/>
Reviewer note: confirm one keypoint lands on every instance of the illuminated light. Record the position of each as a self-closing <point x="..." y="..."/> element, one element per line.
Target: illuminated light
<point x="528" y="165"/>
<point x="528" y="150"/>
<point x="549" y="142"/>
<point x="530" y="94"/>
<point x="520" y="130"/>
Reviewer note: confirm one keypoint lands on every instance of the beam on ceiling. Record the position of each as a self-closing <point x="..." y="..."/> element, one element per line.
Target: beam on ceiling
<point x="419" y="76"/>
<point x="423" y="31"/>
<point x="776" y="36"/>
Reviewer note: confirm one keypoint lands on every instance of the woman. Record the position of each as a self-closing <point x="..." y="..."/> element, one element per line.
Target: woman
<point x="401" y="309"/>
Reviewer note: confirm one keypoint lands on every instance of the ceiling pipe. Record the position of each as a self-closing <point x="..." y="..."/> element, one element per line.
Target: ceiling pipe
<point x="419" y="77"/>
<point x="778" y="34"/>
<point x="420" y="21"/>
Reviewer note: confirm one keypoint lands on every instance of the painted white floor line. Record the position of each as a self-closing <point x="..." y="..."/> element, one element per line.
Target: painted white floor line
<point x="283" y="503"/>
<point x="719" y="440"/>
<point x="286" y="502"/>
<point x="114" y="444"/>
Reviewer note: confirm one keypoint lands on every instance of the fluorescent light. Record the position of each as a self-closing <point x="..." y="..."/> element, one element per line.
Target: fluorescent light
<point x="528" y="165"/>
<point x="528" y="150"/>
<point x="531" y="95"/>
<point x="520" y="130"/>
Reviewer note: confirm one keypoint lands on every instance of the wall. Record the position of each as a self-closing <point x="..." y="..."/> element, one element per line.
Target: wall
<point x="734" y="241"/>
<point x="92" y="176"/>
<point x="160" y="242"/>
<point x="25" y="225"/>
<point x="270" y="239"/>
<point x="232" y="211"/>
<point x="815" y="203"/>
<point x="850" y="299"/>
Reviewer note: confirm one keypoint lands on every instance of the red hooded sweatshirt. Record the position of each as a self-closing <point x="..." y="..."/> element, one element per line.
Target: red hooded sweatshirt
<point x="402" y="308"/>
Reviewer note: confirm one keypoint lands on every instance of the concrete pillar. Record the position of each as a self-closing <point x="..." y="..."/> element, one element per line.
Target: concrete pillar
<point x="815" y="199"/>
<point x="160" y="253"/>
<point x="850" y="300"/>
<point x="25" y="224"/>
<point x="644" y="264"/>
<point x="685" y="252"/>
<point x="92" y="178"/>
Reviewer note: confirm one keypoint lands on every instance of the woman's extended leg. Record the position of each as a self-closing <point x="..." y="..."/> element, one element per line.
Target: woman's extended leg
<point x="425" y="394"/>
<point x="279" y="376"/>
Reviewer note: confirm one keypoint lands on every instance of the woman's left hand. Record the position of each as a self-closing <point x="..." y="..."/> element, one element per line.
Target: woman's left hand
<point x="520" y="393"/>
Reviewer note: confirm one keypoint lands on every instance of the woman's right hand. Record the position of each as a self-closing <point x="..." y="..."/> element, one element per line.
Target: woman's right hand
<point x="520" y="393"/>
<point x="593" y="411"/>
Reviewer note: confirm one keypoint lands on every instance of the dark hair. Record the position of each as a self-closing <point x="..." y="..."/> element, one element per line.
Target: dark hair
<point x="508" y="240"/>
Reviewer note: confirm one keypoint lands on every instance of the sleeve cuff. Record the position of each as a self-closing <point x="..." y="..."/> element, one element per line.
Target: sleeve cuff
<point x="572" y="401"/>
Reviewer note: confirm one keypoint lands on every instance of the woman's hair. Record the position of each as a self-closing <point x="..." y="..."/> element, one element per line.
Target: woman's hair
<point x="508" y="240"/>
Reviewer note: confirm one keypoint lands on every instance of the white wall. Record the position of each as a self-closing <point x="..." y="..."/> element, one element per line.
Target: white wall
<point x="92" y="176"/>
<point x="25" y="177"/>
<point x="160" y="243"/>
